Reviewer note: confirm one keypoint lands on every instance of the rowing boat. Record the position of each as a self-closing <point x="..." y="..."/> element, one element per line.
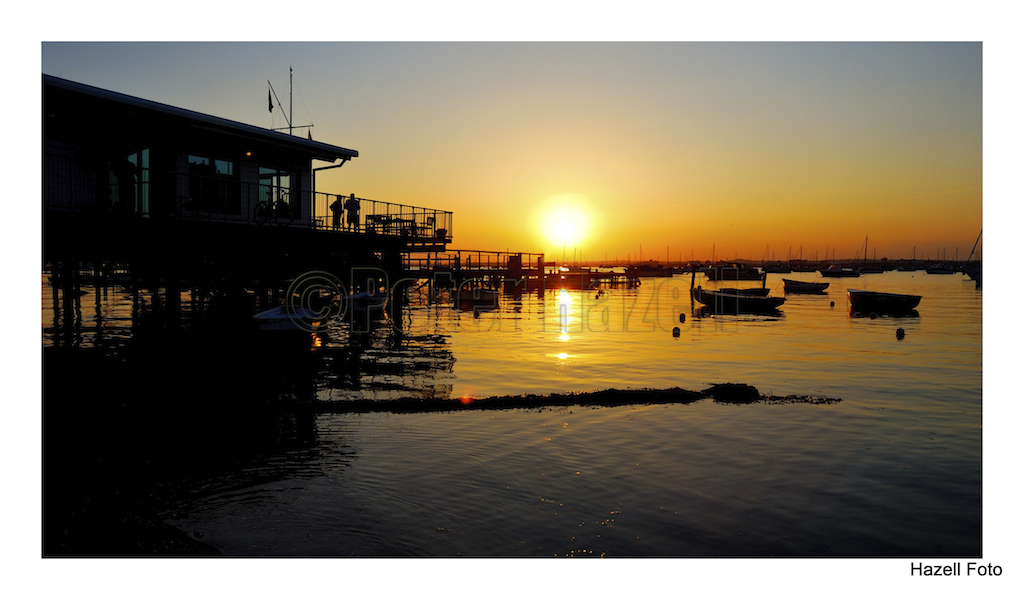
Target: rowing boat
<point x="792" y="286"/>
<point x="724" y="303"/>
<point x="881" y="302"/>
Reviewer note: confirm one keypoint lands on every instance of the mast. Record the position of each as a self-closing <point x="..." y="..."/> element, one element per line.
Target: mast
<point x="291" y="105"/>
<point x="975" y="246"/>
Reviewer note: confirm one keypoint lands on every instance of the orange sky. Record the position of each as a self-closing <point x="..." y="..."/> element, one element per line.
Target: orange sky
<point x="688" y="146"/>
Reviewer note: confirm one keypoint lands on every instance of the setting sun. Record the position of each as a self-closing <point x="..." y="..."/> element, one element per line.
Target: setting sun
<point x="564" y="220"/>
<point x="565" y="231"/>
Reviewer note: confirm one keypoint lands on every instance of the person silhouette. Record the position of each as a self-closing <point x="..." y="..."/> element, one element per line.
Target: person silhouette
<point x="336" y="210"/>
<point x="352" y="206"/>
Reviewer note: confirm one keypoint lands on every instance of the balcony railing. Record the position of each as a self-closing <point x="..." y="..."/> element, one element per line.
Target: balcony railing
<point x="230" y="201"/>
<point x="226" y="200"/>
<point x="376" y="217"/>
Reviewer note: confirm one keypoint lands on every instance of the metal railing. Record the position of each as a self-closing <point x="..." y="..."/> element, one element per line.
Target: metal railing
<point x="473" y="260"/>
<point x="376" y="217"/>
<point x="227" y="200"/>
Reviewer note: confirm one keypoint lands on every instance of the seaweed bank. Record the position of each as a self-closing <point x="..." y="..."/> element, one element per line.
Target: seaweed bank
<point x="723" y="393"/>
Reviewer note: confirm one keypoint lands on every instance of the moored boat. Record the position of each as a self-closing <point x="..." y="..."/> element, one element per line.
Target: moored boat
<point x="723" y="303"/>
<point x="762" y="292"/>
<point x="732" y="272"/>
<point x="804" y="287"/>
<point x="650" y="269"/>
<point x="883" y="303"/>
<point x="839" y="271"/>
<point x="285" y="318"/>
<point x="972" y="271"/>
<point x="870" y="269"/>
<point x="365" y="302"/>
<point x="478" y="299"/>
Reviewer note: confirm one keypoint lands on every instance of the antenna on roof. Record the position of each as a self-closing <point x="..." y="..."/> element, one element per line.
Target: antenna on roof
<point x="289" y="117"/>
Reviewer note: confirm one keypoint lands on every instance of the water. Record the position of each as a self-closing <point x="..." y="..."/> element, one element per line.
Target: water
<point x="894" y="469"/>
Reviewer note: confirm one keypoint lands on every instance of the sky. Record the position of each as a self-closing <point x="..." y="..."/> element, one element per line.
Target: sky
<point x="610" y="150"/>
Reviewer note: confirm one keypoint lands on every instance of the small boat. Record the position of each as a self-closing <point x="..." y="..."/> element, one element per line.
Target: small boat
<point x="839" y="271"/>
<point x="364" y="302"/>
<point x="650" y="269"/>
<point x="723" y="303"/>
<point x="284" y="318"/>
<point x="570" y="277"/>
<point x="869" y="269"/>
<point x="940" y="270"/>
<point x="972" y="271"/>
<point x="478" y="298"/>
<point x="882" y="303"/>
<point x="732" y="272"/>
<point x="762" y="292"/>
<point x="804" y="287"/>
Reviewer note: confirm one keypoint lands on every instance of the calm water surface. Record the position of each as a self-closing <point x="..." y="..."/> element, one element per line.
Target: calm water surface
<point x="892" y="470"/>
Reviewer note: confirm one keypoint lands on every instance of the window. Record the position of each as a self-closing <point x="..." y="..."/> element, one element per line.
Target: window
<point x="275" y="194"/>
<point x="128" y="182"/>
<point x="213" y="186"/>
<point x="228" y="187"/>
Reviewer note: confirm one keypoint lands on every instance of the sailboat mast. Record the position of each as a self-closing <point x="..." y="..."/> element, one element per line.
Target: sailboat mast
<point x="975" y="247"/>
<point x="290" y="121"/>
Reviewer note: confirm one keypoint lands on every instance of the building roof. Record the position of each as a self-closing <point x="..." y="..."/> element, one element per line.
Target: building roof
<point x="316" y="149"/>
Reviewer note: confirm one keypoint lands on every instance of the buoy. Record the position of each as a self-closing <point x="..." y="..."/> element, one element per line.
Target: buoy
<point x="900" y="334"/>
<point x="682" y="317"/>
<point x="675" y="332"/>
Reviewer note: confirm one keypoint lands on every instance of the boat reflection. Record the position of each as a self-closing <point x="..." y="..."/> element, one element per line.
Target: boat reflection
<point x="861" y="314"/>
<point x="704" y="312"/>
